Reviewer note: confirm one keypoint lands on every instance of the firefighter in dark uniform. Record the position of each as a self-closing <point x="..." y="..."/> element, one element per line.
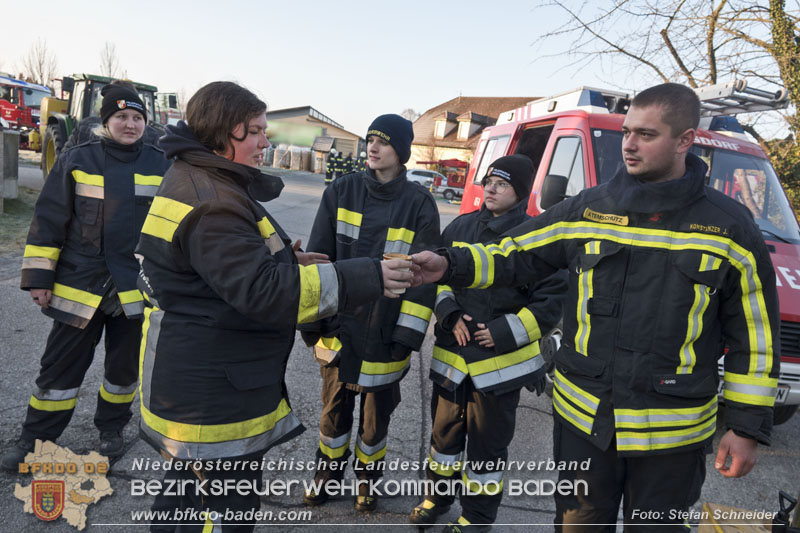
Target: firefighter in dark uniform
<point x="348" y="164"/>
<point x="362" y="161"/>
<point x="215" y="268"/>
<point x="80" y="269"/>
<point x="665" y="273"/>
<point x="339" y="165"/>
<point x="367" y="352"/>
<point x="487" y="348"/>
<point x="330" y="166"/>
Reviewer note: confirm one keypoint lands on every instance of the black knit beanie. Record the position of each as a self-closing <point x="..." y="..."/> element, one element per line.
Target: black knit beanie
<point x="516" y="169"/>
<point x="395" y="130"/>
<point x="116" y="98"/>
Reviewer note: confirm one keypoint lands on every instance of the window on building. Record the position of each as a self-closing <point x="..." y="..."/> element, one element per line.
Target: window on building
<point x="438" y="131"/>
<point x="463" y="130"/>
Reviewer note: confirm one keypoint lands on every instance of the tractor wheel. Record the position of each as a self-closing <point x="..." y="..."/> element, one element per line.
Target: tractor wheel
<point x="51" y="148"/>
<point x="448" y="194"/>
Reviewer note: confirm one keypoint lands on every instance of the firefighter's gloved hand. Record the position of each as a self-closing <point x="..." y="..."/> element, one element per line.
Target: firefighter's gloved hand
<point x="310" y="337"/>
<point x="398" y="351"/>
<point x="537" y="382"/>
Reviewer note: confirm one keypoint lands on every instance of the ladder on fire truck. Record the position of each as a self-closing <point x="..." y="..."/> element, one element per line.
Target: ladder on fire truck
<point x="736" y="97"/>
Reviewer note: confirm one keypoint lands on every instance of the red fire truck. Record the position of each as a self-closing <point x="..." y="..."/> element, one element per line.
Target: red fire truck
<point x="575" y="142"/>
<point x="20" y="102"/>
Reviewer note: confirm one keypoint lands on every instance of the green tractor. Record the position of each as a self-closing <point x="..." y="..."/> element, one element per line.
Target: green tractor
<point x="59" y="117"/>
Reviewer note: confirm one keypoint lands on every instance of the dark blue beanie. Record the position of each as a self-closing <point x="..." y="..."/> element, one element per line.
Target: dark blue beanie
<point x="395" y="130"/>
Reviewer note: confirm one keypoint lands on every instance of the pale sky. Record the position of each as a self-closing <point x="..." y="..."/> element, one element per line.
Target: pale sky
<point x="351" y="62"/>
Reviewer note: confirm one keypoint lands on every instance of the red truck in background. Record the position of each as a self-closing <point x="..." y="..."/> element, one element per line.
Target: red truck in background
<point x="20" y="102"/>
<point x="575" y="142"/>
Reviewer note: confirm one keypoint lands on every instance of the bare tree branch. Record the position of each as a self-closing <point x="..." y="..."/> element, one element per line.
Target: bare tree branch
<point x="40" y="64"/>
<point x="109" y="62"/>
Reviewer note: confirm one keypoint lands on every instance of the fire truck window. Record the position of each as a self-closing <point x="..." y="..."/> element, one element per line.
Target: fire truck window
<point x="532" y="143"/>
<point x="567" y="161"/>
<point x="5" y="92"/>
<point x="607" y="153"/>
<point x="495" y="148"/>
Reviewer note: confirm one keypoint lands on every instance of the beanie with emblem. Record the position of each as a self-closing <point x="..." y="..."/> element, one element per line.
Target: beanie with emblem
<point x="395" y="130"/>
<point x="516" y="169"/>
<point x="116" y="98"/>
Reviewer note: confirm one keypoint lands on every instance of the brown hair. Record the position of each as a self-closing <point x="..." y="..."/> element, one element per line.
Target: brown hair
<point x="217" y="108"/>
<point x="680" y="106"/>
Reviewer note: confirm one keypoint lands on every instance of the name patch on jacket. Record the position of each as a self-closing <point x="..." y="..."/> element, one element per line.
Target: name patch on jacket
<point x="704" y="228"/>
<point x="605" y="218"/>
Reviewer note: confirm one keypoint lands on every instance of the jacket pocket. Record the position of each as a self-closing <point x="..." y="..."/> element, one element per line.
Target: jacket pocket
<point x="253" y="374"/>
<point x="571" y="362"/>
<point x="88" y="209"/>
<point x="686" y="385"/>
<point x="702" y="268"/>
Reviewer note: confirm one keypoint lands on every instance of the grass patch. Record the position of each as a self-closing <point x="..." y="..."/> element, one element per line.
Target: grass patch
<point x="15" y="221"/>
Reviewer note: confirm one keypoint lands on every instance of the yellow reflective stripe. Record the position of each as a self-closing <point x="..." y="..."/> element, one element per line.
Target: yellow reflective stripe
<point x="443" y="469"/>
<point x="159" y="227"/>
<point x="585" y="292"/>
<point x="49" y="252"/>
<point x="182" y="432"/>
<point x="752" y="390"/>
<point x="592" y="247"/>
<point x="310" y="286"/>
<point x="463" y="521"/>
<point x="330" y="343"/>
<point x="710" y="262"/>
<point x="370" y="458"/>
<point x="351" y="217"/>
<point x="586" y="400"/>
<point x="450" y="358"/>
<point x="164" y="217"/>
<point x="88" y="179"/>
<point x="484" y="264"/>
<point x="129" y="297"/>
<point x="265" y="228"/>
<point x="399" y="234"/>
<point x="502" y="361"/>
<point x="490" y="487"/>
<point x="415" y="309"/>
<point x="76" y="295"/>
<point x="53" y="405"/>
<point x="665" y="417"/>
<point x="753" y="304"/>
<point x="694" y="328"/>
<point x="578" y="419"/>
<point x="443" y="288"/>
<point x="140" y="179"/>
<point x="530" y="323"/>
<point x="115" y="398"/>
<point x="660" y="440"/>
<point x="334" y="453"/>
<point x="376" y="368"/>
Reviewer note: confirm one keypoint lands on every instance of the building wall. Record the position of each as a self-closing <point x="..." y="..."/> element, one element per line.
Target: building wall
<point x="421" y="152"/>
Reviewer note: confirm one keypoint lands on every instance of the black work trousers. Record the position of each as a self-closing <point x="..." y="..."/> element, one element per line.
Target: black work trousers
<point x="485" y="423"/>
<point x="201" y="507"/>
<point x="653" y="489"/>
<point x="336" y="423"/>
<point x="67" y="356"/>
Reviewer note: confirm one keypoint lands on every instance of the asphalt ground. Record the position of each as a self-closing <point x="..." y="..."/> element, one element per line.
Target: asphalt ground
<point x="23" y="330"/>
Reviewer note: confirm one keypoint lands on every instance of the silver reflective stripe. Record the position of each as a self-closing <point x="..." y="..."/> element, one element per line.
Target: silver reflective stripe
<point x="508" y="373"/>
<point x="145" y="190"/>
<point x="370" y="450"/>
<point x="118" y="389"/>
<point x="149" y="357"/>
<point x="374" y="380"/>
<point x="335" y="442"/>
<point x="348" y="230"/>
<point x="694" y="329"/>
<point x="590" y="404"/>
<point x="585" y="290"/>
<point x="447" y="371"/>
<point x="133" y="308"/>
<point x="442" y="295"/>
<point x="650" y="419"/>
<point x="563" y="408"/>
<point x="397" y="247"/>
<point x="755" y="390"/>
<point x="485" y="258"/>
<point x="274" y="243"/>
<point x="90" y="191"/>
<point x="676" y="241"/>
<point x="218" y="450"/>
<point x="518" y="330"/>
<point x="445" y="459"/>
<point x="38" y="262"/>
<point x="488" y="477"/>
<point x="73" y="308"/>
<point x="654" y="440"/>
<point x="412" y="322"/>
<point x="328" y="289"/>
<point x="56" y="395"/>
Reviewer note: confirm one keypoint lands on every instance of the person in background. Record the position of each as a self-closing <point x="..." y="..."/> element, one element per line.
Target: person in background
<point x="79" y="267"/>
<point x="367" y="352"/>
<point x="330" y="166"/>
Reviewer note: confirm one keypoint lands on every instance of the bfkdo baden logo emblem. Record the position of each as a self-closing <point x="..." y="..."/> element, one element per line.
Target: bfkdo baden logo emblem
<point x="48" y="499"/>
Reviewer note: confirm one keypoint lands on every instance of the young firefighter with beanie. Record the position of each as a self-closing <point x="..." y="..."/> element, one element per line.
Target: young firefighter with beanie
<point x="367" y="352"/>
<point x="487" y="348"/>
<point x="80" y="269"/>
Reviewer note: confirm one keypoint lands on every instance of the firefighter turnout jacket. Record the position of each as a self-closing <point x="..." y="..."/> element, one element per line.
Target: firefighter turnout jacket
<point x="516" y="317"/>
<point x="663" y="278"/>
<point x="85" y="227"/>
<point x="360" y="217"/>
<point x="226" y="293"/>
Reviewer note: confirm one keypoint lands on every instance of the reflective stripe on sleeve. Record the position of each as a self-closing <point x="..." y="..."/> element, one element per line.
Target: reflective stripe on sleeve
<point x="319" y="292"/>
<point x="484" y="264"/>
<point x="443" y="292"/>
<point x="752" y="390"/>
<point x="374" y="374"/>
<point x="414" y="316"/>
<point x="41" y="257"/>
<point x="271" y="237"/>
<point x="164" y="217"/>
<point x="74" y="301"/>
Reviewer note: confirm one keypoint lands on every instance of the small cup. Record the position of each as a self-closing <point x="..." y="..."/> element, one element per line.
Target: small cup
<point x="404" y="257"/>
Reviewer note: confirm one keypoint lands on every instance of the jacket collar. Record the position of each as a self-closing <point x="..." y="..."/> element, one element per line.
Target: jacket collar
<point x="126" y="153"/>
<point x="641" y="197"/>
<point x="511" y="218"/>
<point x="384" y="191"/>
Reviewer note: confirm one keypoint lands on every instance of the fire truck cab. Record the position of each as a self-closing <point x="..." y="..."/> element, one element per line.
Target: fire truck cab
<point x="575" y="139"/>
<point x="20" y="102"/>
